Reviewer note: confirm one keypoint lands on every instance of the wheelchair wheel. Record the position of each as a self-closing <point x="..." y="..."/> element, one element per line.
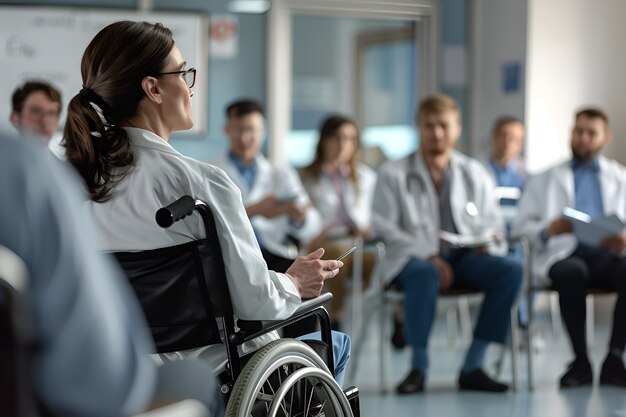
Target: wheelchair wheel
<point x="287" y="378"/>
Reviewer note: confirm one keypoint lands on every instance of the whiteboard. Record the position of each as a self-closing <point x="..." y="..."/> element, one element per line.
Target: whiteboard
<point x="48" y="43"/>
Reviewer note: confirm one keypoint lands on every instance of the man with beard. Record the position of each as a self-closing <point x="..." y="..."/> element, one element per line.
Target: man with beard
<point x="435" y="190"/>
<point x="595" y="185"/>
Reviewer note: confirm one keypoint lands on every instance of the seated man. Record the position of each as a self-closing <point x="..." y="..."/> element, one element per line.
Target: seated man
<point x="507" y="169"/>
<point x="36" y="108"/>
<point x="433" y="189"/>
<point x="92" y="347"/>
<point x="596" y="186"/>
<point x="276" y="202"/>
<point x="504" y="163"/>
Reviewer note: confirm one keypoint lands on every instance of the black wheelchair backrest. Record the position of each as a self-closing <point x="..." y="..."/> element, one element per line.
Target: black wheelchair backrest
<point x="182" y="289"/>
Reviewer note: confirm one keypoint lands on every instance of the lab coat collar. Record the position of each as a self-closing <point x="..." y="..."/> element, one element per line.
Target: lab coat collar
<point x="593" y="163"/>
<point x="147" y="139"/>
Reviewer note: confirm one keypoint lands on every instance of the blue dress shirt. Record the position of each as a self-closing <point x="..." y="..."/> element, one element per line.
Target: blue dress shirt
<point x="248" y="172"/>
<point x="513" y="175"/>
<point x="587" y="191"/>
<point x="510" y="176"/>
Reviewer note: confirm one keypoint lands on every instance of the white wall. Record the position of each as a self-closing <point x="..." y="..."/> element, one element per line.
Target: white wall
<point x="498" y="36"/>
<point x="576" y="57"/>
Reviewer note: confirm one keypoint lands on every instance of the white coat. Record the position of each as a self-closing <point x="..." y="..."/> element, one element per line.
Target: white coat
<point x="358" y="206"/>
<point x="545" y="197"/>
<point x="406" y="208"/>
<point x="160" y="176"/>
<point x="283" y="182"/>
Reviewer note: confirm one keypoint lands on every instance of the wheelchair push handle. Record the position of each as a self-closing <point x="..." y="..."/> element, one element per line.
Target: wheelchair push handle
<point x="170" y="214"/>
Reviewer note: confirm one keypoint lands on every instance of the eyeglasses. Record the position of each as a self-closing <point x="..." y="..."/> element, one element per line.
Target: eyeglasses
<point x="37" y="112"/>
<point x="188" y="75"/>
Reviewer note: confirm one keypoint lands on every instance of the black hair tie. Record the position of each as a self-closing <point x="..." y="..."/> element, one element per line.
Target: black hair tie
<point x="107" y="111"/>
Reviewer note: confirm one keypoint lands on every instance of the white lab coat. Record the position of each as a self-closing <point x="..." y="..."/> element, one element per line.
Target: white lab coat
<point x="545" y="197"/>
<point x="406" y="208"/>
<point x="160" y="176"/>
<point x="283" y="182"/>
<point x="358" y="206"/>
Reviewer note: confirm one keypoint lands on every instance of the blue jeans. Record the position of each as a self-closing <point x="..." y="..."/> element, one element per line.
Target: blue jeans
<point x="341" y="352"/>
<point x="498" y="278"/>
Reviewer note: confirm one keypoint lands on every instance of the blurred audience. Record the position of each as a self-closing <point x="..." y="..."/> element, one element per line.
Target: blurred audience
<point x="36" y="108"/>
<point x="341" y="189"/>
<point x="596" y="186"/>
<point x="276" y="203"/>
<point x="435" y="190"/>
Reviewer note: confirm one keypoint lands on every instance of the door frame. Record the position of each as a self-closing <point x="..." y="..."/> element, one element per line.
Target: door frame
<point x="279" y="42"/>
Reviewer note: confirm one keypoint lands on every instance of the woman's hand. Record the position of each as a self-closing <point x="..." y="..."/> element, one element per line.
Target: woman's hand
<point x="309" y="272"/>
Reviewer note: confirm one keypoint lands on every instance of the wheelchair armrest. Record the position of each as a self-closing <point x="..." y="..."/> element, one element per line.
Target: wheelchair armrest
<point x="313" y="303"/>
<point x="250" y="329"/>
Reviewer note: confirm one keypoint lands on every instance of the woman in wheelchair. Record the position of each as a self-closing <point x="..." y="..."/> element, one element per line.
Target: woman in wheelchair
<point x="137" y="90"/>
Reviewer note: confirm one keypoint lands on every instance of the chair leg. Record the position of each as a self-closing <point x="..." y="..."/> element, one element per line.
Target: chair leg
<point x="590" y="321"/>
<point x="384" y="345"/>
<point x="359" y="337"/>
<point x="555" y="313"/>
<point x="529" y="345"/>
<point x="515" y="348"/>
<point x="357" y="285"/>
<point x="466" y="319"/>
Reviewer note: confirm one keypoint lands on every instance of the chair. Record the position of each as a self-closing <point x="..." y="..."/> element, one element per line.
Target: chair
<point x="184" y="293"/>
<point x="532" y="289"/>
<point x="381" y="297"/>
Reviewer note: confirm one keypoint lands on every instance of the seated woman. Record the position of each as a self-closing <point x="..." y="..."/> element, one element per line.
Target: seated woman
<point x="136" y="91"/>
<point x="342" y="189"/>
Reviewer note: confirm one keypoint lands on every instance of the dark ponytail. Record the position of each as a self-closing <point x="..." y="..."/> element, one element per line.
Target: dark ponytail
<point x="113" y="65"/>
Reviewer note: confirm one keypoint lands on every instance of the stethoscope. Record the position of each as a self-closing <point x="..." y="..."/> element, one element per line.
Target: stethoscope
<point x="413" y="176"/>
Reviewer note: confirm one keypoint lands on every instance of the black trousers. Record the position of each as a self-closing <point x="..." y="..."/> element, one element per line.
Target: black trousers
<point x="280" y="264"/>
<point x="587" y="268"/>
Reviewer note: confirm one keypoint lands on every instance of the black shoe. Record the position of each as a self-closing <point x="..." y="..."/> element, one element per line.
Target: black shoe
<point x="478" y="380"/>
<point x="613" y="371"/>
<point x="578" y="374"/>
<point x="397" y="338"/>
<point x="414" y="382"/>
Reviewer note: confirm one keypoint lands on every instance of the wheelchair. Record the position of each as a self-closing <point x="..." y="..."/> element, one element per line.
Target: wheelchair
<point x="184" y="293"/>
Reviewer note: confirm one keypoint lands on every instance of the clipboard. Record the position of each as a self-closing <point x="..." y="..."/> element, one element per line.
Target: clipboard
<point x="592" y="231"/>
<point x="466" y="241"/>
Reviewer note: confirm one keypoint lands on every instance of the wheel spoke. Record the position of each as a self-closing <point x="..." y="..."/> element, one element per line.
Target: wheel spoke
<point x="291" y="401"/>
<point x="274" y="392"/>
<point x="308" y="407"/>
<point x="321" y="409"/>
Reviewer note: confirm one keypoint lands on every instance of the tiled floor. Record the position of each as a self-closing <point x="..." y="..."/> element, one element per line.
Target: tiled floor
<point x="442" y="398"/>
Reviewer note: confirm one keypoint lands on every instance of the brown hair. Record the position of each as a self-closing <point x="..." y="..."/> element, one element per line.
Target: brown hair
<point x="437" y="103"/>
<point x="21" y="93"/>
<point x="113" y="65"/>
<point x="329" y="129"/>
<point x="503" y="121"/>
<point x="594" y="113"/>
